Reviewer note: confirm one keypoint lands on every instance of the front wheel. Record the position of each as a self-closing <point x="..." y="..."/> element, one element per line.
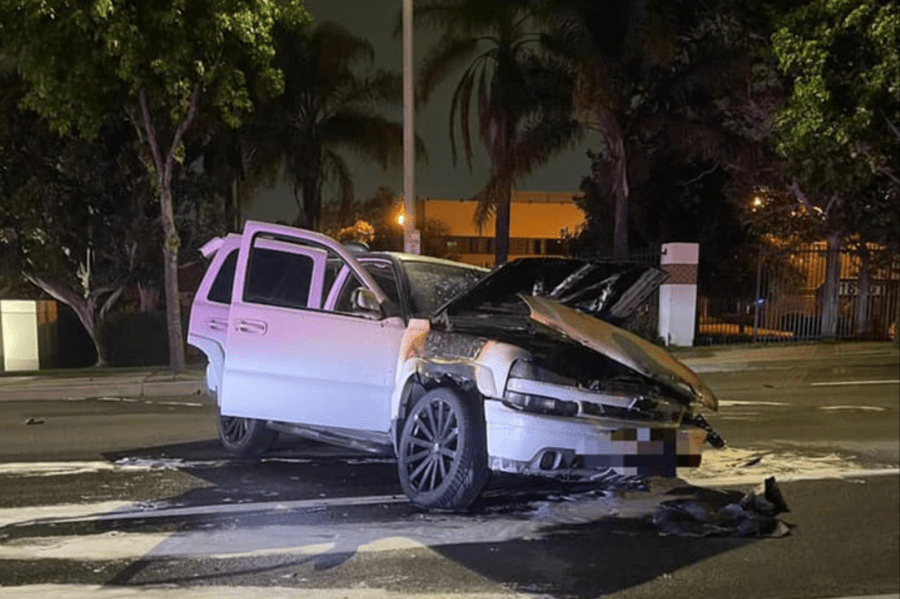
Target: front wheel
<point x="442" y="458"/>
<point x="244" y="436"/>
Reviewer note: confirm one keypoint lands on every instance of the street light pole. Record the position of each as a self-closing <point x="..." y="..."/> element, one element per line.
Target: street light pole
<point x="410" y="235"/>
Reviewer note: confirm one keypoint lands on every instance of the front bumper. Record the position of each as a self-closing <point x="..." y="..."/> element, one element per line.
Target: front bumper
<point x="583" y="448"/>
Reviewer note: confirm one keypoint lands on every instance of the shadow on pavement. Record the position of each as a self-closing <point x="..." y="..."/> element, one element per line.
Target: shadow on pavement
<point x="525" y="535"/>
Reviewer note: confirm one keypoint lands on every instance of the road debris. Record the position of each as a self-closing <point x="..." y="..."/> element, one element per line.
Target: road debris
<point x="753" y="515"/>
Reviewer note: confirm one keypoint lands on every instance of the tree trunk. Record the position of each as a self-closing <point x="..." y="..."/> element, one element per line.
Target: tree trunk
<point x="312" y="202"/>
<point x="231" y="208"/>
<point x="503" y="200"/>
<point x="831" y="287"/>
<point x="861" y="323"/>
<point x="615" y="148"/>
<point x="897" y="322"/>
<point x="84" y="307"/>
<point x="171" y="244"/>
<point x="236" y="219"/>
<point x="501" y="224"/>
<point x="148" y="298"/>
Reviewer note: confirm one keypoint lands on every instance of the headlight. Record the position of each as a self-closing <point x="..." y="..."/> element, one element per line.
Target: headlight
<point x="540" y="405"/>
<point x="526" y="369"/>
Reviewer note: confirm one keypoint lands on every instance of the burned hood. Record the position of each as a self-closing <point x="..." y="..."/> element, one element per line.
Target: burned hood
<point x="611" y="291"/>
<point x="623" y="347"/>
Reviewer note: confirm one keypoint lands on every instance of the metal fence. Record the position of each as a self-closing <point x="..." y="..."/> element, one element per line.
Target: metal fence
<point x="790" y="288"/>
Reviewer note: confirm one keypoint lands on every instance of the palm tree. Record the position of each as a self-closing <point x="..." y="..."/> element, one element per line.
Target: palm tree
<point x="523" y="100"/>
<point x="326" y="108"/>
<point x="599" y="62"/>
<point x="640" y="79"/>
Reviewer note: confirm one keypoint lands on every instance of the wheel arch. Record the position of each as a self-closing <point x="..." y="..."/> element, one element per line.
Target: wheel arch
<point x="472" y="381"/>
<point x="215" y="359"/>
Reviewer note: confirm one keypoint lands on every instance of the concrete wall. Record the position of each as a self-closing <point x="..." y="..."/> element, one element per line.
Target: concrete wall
<point x="533" y="216"/>
<point x="42" y="334"/>
<point x="19" y="330"/>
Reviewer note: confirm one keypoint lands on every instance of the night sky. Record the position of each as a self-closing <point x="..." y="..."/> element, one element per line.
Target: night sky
<point x="375" y="21"/>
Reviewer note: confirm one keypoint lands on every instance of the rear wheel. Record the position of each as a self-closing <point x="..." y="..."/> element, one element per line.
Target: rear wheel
<point x="244" y="436"/>
<point x="442" y="458"/>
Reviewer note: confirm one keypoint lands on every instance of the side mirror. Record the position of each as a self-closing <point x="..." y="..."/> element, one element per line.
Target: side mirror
<point x="365" y="302"/>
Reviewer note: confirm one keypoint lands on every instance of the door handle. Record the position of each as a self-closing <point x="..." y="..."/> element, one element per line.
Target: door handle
<point x="256" y="327"/>
<point x="217" y="324"/>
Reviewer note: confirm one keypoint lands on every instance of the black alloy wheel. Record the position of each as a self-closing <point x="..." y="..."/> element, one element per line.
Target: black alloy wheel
<point x="442" y="459"/>
<point x="244" y="436"/>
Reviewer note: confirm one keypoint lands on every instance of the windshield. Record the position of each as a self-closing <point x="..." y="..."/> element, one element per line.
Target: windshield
<point x="431" y="284"/>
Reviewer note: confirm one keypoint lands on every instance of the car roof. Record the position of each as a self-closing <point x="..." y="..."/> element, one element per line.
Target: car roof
<point x="404" y="257"/>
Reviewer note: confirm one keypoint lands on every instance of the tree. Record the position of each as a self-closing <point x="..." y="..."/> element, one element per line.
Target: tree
<point x="522" y="99"/>
<point x="329" y="107"/>
<point x="594" y="39"/>
<point x="843" y="61"/>
<point x="875" y="218"/>
<point x="382" y="210"/>
<point x="72" y="221"/>
<point x="653" y="79"/>
<point x="839" y="129"/>
<point x="161" y="63"/>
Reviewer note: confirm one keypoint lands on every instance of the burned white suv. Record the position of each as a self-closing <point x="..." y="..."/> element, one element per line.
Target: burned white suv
<point x="456" y="371"/>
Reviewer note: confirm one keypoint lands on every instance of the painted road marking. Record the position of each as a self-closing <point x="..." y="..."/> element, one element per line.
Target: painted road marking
<point x="105" y="546"/>
<point x="83" y="591"/>
<point x="227" y="508"/>
<point x="86" y="467"/>
<point x="757" y="477"/>
<point x="17" y="515"/>
<point x="735" y="402"/>
<point x="843" y="383"/>
<point x="853" y="408"/>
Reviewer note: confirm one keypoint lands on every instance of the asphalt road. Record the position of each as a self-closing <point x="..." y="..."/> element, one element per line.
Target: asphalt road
<point x="121" y="498"/>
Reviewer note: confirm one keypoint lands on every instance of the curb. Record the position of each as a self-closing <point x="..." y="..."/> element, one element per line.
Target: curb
<point x="713" y="364"/>
<point x="114" y="388"/>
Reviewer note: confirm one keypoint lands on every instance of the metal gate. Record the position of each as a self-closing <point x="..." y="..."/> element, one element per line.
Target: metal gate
<point x="790" y="293"/>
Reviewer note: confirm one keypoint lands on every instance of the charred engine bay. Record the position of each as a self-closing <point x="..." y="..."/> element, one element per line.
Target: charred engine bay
<point x="570" y="363"/>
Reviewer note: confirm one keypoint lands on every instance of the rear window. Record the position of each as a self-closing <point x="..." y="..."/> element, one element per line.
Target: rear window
<point x="220" y="290"/>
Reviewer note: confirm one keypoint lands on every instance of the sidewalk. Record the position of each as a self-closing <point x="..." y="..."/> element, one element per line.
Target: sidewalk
<point x="158" y="381"/>
<point x="155" y="381"/>
<point x="725" y="358"/>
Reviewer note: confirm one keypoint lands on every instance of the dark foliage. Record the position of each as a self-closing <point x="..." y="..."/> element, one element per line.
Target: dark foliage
<point x="681" y="202"/>
<point x="134" y="339"/>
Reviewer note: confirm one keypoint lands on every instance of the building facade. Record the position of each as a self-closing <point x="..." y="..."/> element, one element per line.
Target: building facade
<point x="539" y="221"/>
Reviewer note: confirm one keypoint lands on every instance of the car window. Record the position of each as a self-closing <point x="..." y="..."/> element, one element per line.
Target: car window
<point x="384" y="275"/>
<point x="220" y="290"/>
<point x="332" y="270"/>
<point x="344" y="303"/>
<point x="278" y="278"/>
<point x="431" y="284"/>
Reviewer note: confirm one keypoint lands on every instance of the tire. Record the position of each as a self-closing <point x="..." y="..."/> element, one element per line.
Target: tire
<point x="244" y="436"/>
<point x="442" y="459"/>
